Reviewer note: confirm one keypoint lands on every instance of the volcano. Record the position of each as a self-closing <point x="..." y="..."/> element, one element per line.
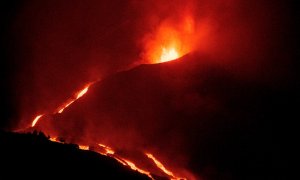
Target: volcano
<point x="149" y="89"/>
<point x="200" y="119"/>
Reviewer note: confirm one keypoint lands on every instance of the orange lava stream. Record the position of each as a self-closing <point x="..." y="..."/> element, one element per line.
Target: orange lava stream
<point x="78" y="95"/>
<point x="107" y="149"/>
<point x="162" y="167"/>
<point x="133" y="167"/>
<point x="120" y="161"/>
<point x="65" y="106"/>
<point x="82" y="92"/>
<point x="36" y="119"/>
<point x="110" y="152"/>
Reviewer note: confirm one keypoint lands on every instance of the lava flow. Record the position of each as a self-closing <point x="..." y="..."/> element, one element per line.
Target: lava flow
<point x="107" y="149"/>
<point x="78" y="95"/>
<point x="162" y="167"/>
<point x="111" y="153"/>
<point x="36" y="119"/>
<point x="133" y="167"/>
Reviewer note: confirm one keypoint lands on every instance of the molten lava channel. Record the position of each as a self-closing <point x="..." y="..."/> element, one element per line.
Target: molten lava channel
<point x="77" y="95"/>
<point x="36" y="119"/>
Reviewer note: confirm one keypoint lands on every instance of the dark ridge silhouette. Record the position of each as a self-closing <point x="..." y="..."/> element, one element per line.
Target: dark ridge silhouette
<point x="33" y="156"/>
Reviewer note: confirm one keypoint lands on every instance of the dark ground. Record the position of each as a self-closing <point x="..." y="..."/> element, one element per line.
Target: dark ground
<point x="33" y="156"/>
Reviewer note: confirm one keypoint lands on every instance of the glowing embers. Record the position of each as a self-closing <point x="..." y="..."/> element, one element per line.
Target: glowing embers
<point x="36" y="119"/>
<point x="168" y="54"/>
<point x="162" y="167"/>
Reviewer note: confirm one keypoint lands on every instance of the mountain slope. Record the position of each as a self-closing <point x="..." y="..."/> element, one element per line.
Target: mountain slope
<point x="194" y="115"/>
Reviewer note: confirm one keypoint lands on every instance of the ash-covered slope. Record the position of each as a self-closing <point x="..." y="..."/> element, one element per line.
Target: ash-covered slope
<point x="192" y="114"/>
<point x="33" y="156"/>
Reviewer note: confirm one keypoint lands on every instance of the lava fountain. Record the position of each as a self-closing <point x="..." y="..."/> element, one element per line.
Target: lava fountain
<point x="171" y="40"/>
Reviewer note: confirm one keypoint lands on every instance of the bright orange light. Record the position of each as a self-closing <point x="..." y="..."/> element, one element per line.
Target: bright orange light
<point x="120" y="161"/>
<point x="133" y="167"/>
<point x="161" y="166"/>
<point x="171" y="39"/>
<point x="83" y="147"/>
<point x="54" y="139"/>
<point x="65" y="106"/>
<point x="168" y="54"/>
<point x="77" y="96"/>
<point x="107" y="149"/>
<point x="125" y="162"/>
<point x="36" y="120"/>
<point x="82" y="92"/>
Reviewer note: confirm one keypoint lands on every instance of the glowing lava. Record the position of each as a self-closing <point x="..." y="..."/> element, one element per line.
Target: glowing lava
<point x="133" y="167"/>
<point x="83" y="147"/>
<point x="161" y="166"/>
<point x="171" y="39"/>
<point x="168" y="54"/>
<point x="110" y="152"/>
<point x="82" y="92"/>
<point x="107" y="149"/>
<point x="53" y="139"/>
<point x="77" y="96"/>
<point x="65" y="106"/>
<point x="36" y="120"/>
